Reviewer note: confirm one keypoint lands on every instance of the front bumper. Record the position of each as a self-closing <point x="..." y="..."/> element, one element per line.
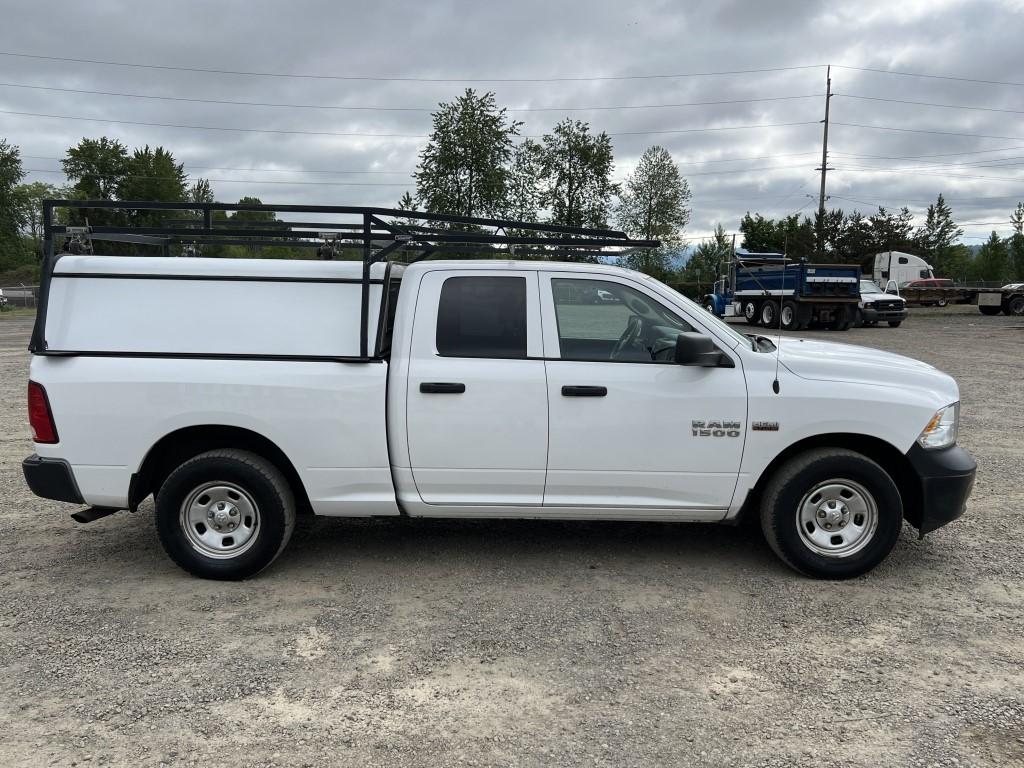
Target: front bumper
<point x="51" y="479"/>
<point x="874" y="315"/>
<point x="946" y="478"/>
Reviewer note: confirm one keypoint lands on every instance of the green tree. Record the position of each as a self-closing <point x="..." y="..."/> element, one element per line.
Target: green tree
<point x="576" y="169"/>
<point x="30" y="200"/>
<point x="462" y="170"/>
<point x="12" y="251"/>
<point x="1016" y="243"/>
<point x="790" y="235"/>
<point x="406" y="203"/>
<point x="892" y="231"/>
<point x="937" y="235"/>
<point x="200" y="192"/>
<point x="96" y="167"/>
<point x="654" y="206"/>
<point x="524" y="178"/>
<point x="993" y="260"/>
<point x="706" y="260"/>
<point x="153" y="175"/>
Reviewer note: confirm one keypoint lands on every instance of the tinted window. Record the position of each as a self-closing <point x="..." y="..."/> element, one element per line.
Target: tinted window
<point x="903" y="260"/>
<point x="600" y="320"/>
<point x="482" y="317"/>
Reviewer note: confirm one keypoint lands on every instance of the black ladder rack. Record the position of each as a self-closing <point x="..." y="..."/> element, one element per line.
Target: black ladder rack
<point x="380" y="234"/>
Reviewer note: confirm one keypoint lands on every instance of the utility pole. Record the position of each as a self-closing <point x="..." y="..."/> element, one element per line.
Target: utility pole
<point x="824" y="163"/>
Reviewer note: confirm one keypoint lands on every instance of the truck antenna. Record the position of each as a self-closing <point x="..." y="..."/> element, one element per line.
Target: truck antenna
<point x="782" y="301"/>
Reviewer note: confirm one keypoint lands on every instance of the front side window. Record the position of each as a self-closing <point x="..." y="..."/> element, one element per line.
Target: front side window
<point x="599" y="320"/>
<point x="482" y="317"/>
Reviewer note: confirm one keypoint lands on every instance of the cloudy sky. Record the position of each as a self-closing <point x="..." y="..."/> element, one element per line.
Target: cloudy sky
<point x="637" y="70"/>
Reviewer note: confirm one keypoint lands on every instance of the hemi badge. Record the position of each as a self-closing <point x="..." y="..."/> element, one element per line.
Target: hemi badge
<point x="765" y="426"/>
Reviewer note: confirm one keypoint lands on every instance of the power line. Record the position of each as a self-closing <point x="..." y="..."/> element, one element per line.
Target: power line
<point x="381" y="135"/>
<point x="379" y="78"/>
<point x="943" y="154"/>
<point x="930" y="104"/>
<point x="918" y="172"/>
<point x="397" y="109"/>
<point x="932" y="77"/>
<point x="261" y="170"/>
<point x="936" y="133"/>
<point x="252" y="181"/>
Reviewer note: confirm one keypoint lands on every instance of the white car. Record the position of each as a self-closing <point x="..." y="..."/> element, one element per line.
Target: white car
<point x="477" y="389"/>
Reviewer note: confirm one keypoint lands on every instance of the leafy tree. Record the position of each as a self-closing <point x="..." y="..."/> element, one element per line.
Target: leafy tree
<point x="96" y="167"/>
<point x="524" y="178"/>
<point x="152" y="174"/>
<point x="892" y="231"/>
<point x="12" y="251"/>
<point x="993" y="260"/>
<point x="1016" y="243"/>
<point x="407" y="203"/>
<point x="576" y="168"/>
<point x="200" y="192"/>
<point x="938" y="234"/>
<point x="30" y="201"/>
<point x="462" y="169"/>
<point x="790" y="235"/>
<point x="252" y="219"/>
<point x="654" y="207"/>
<point x="706" y="260"/>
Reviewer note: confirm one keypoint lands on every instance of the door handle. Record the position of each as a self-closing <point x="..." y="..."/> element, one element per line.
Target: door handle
<point x="442" y="388"/>
<point x="584" y="391"/>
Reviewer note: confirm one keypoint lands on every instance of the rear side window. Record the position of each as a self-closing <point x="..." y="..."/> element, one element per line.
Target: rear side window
<point x="482" y="317"/>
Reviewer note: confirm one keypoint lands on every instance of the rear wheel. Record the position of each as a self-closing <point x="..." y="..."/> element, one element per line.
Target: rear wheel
<point x="750" y="312"/>
<point x="842" y="319"/>
<point x="895" y="323"/>
<point x="1015" y="306"/>
<point x="225" y="514"/>
<point x="770" y="314"/>
<point x="990" y="310"/>
<point x="941" y="302"/>
<point x="789" y="316"/>
<point x="831" y="513"/>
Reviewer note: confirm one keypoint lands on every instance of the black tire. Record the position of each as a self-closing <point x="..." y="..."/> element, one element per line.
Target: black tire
<point x="990" y="310"/>
<point x="769" y="314"/>
<point x="1015" y="306"/>
<point x="793" y="487"/>
<point x="895" y="323"/>
<point x="257" y="486"/>
<point x="789" y="317"/>
<point x="941" y="302"/>
<point x="709" y="306"/>
<point x="751" y="312"/>
<point x="842" y="320"/>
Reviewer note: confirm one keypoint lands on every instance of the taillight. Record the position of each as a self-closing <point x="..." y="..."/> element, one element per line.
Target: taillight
<point x="39" y="415"/>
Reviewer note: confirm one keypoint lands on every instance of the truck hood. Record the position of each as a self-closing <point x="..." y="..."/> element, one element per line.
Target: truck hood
<point x="829" y="361"/>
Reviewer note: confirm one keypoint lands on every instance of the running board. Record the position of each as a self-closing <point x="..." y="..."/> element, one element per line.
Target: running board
<point x="93" y="513"/>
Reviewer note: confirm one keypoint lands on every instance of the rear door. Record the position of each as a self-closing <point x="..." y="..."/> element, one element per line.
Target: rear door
<point x="629" y="427"/>
<point x="477" y="409"/>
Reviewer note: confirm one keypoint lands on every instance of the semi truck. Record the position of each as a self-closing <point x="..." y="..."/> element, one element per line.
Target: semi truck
<point x="243" y="393"/>
<point x="771" y="290"/>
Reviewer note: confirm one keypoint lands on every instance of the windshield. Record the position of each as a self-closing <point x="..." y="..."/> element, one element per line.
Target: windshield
<point x="712" y="319"/>
<point x="867" y="286"/>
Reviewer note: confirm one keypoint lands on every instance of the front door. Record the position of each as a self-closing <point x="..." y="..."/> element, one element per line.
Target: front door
<point x="630" y="428"/>
<point x="477" y="414"/>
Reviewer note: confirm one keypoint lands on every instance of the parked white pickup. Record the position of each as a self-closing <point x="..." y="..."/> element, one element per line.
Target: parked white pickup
<point x="237" y="392"/>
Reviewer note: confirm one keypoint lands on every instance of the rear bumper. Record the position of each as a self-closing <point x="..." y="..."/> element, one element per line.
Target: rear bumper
<point x="946" y="477"/>
<point x="51" y="479"/>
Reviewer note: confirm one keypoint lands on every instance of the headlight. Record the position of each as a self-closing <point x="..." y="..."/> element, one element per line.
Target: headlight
<point x="941" y="430"/>
<point x="869" y="303"/>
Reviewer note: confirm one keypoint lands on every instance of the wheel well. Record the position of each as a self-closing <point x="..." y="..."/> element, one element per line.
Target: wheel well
<point x="896" y="464"/>
<point x="175" y="448"/>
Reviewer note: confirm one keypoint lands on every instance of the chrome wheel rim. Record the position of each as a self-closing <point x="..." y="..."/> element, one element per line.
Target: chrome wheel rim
<point x="837" y="518"/>
<point x="768" y="314"/>
<point x="220" y="519"/>
<point x="748" y="310"/>
<point x="787" y="315"/>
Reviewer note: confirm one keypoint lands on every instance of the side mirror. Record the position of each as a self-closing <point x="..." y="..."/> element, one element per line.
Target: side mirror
<point x="698" y="349"/>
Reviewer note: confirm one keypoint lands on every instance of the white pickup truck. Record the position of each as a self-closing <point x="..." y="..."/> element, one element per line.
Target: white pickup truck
<point x="240" y="392"/>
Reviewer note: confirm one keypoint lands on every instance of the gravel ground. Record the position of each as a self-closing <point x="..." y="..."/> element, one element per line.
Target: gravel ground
<point x="494" y="643"/>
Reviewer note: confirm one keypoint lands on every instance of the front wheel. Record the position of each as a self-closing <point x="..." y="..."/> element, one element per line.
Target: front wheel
<point x="750" y="312"/>
<point x="709" y="306"/>
<point x="225" y="514"/>
<point x="895" y="323"/>
<point x="1015" y="306"/>
<point x="831" y="513"/>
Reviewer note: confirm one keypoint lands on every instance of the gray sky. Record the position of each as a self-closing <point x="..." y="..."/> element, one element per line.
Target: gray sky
<point x="770" y="170"/>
